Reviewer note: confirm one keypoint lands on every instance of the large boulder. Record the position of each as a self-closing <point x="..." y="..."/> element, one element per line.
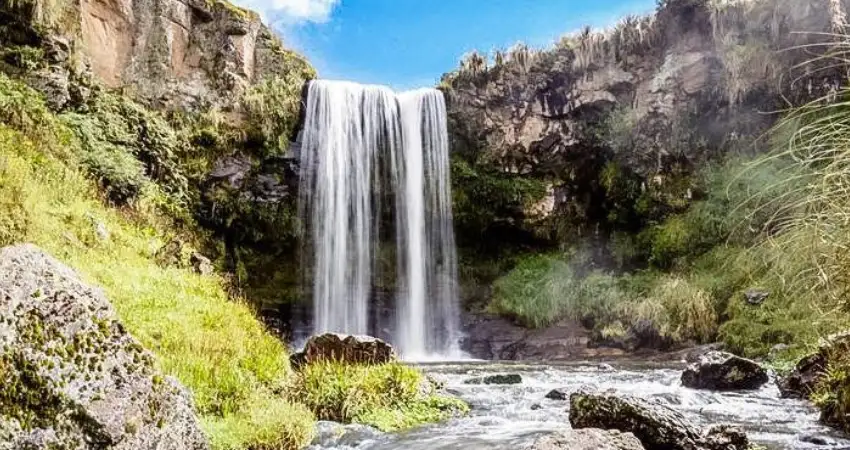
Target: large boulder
<point x="345" y="349"/>
<point x="655" y="425"/>
<point x="587" y="439"/>
<point x="73" y="378"/>
<point x="721" y="371"/>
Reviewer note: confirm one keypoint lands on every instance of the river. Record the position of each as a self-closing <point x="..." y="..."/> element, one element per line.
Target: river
<point x="507" y="417"/>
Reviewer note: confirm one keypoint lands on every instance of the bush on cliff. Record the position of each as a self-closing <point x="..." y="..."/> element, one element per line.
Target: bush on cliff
<point x="214" y="346"/>
<point x="389" y="397"/>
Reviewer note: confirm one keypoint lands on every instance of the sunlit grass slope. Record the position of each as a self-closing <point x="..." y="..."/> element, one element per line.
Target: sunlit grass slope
<point x="214" y="346"/>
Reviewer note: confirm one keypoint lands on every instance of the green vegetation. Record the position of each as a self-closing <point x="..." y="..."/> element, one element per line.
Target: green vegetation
<point x="681" y="278"/>
<point x="272" y="106"/>
<point x="55" y="174"/>
<point x="389" y="397"/>
<point x="213" y="345"/>
<point x="484" y="197"/>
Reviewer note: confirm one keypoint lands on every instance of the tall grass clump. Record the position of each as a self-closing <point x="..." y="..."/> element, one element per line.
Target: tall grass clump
<point x="214" y="345"/>
<point x="389" y="397"/>
<point x="678" y="310"/>
<point x="543" y="289"/>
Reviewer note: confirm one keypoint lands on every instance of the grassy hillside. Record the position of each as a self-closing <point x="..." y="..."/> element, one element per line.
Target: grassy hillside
<point x="75" y="185"/>
<point x="215" y="346"/>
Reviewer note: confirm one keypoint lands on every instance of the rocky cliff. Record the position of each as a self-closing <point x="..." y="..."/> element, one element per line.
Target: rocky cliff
<point x="613" y="123"/>
<point x="169" y="53"/>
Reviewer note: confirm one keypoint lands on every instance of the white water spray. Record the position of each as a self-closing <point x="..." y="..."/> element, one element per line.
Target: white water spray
<point x="360" y="141"/>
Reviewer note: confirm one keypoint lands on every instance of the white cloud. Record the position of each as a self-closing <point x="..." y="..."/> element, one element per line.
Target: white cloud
<point x="294" y="11"/>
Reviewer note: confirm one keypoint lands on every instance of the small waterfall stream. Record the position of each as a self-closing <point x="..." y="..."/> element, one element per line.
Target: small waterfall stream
<point x="361" y="145"/>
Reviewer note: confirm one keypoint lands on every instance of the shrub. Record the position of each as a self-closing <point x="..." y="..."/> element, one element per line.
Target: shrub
<point x="832" y="392"/>
<point x="484" y="196"/>
<point x="537" y="292"/>
<point x="272" y="107"/>
<point x="679" y="311"/>
<point x="389" y="397"/>
<point x="125" y="146"/>
<point x="543" y="289"/>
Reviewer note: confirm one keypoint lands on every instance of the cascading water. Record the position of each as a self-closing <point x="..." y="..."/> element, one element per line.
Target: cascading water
<point x="359" y="143"/>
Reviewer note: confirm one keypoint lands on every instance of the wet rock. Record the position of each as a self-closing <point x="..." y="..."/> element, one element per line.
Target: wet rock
<point x="657" y="426"/>
<point x="558" y="394"/>
<point x="73" y="373"/>
<point x="756" y="297"/>
<point x="724" y="371"/>
<point x="344" y="348"/>
<point x="808" y="371"/>
<point x="333" y="434"/>
<point x="817" y="440"/>
<point x="693" y="355"/>
<point x="723" y="437"/>
<point x="800" y="383"/>
<point x="587" y="439"/>
<point x="494" y="338"/>
<point x="511" y="378"/>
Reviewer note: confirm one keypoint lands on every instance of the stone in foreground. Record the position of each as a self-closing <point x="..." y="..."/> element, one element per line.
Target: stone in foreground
<point x="587" y="439"/>
<point x="345" y="349"/>
<point x="510" y="378"/>
<point x="656" y="426"/>
<point x="73" y="378"/>
<point x="721" y="371"/>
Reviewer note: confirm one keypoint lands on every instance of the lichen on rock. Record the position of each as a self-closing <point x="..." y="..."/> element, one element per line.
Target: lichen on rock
<point x="73" y="377"/>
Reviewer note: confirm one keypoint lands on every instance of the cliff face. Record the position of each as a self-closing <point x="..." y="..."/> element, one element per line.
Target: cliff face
<point x="178" y="52"/>
<point x="651" y="99"/>
<point x="190" y="54"/>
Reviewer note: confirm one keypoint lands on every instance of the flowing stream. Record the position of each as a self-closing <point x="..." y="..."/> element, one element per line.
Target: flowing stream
<point x="509" y="417"/>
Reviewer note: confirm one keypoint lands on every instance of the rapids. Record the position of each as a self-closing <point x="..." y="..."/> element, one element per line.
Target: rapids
<point x="508" y="417"/>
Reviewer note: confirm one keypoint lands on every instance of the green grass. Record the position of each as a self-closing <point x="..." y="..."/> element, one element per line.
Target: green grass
<point x="389" y="397"/>
<point x="539" y="291"/>
<point x="213" y="345"/>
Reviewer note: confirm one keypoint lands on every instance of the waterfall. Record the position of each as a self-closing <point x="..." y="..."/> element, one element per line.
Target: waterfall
<point x="362" y="145"/>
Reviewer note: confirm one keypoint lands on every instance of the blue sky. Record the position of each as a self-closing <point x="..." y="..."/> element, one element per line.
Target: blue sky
<point x="410" y="43"/>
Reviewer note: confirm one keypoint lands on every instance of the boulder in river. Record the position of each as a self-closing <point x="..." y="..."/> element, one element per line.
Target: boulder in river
<point x="721" y="371"/>
<point x="72" y="375"/>
<point x="655" y="425"/>
<point x="587" y="439"/>
<point x="344" y="348"/>
<point x="508" y="378"/>
<point x="558" y="394"/>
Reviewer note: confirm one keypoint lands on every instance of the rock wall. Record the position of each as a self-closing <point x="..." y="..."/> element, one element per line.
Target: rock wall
<point x="189" y="54"/>
<point x="654" y="97"/>
<point x="183" y="53"/>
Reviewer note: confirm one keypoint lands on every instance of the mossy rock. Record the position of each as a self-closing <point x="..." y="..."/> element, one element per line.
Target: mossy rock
<point x="73" y="377"/>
